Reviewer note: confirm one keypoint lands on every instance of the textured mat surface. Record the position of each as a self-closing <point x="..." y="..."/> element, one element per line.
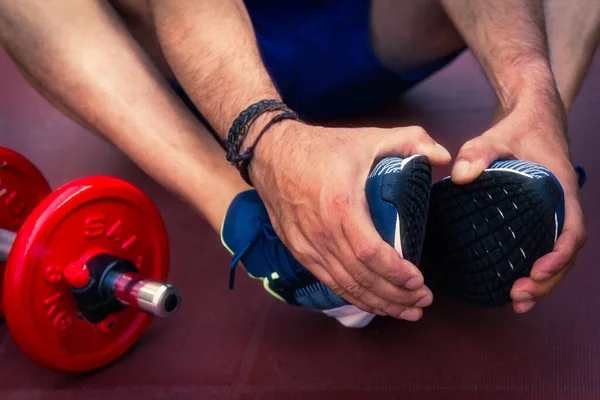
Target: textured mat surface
<point x="246" y="345"/>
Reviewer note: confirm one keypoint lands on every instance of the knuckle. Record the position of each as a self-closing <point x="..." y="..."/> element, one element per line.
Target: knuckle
<point x="322" y="230"/>
<point x="387" y="309"/>
<point x="330" y="283"/>
<point x="419" y="132"/>
<point x="469" y="146"/>
<point x="396" y="276"/>
<point x="340" y="201"/>
<point x="364" y="278"/>
<point x="305" y="255"/>
<point x="337" y="289"/>
<point x="393" y="309"/>
<point x="365" y="253"/>
<point x="406" y="300"/>
<point x="480" y="143"/>
<point x="354" y="289"/>
<point x="379" y="304"/>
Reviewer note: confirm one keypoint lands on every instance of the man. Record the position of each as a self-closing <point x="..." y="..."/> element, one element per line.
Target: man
<point x="112" y="67"/>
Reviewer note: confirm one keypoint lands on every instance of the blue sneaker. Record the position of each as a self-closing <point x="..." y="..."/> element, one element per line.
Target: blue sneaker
<point x="398" y="195"/>
<point x="483" y="236"/>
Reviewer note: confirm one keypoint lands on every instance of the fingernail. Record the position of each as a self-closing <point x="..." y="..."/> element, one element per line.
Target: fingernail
<point x="542" y="276"/>
<point x="524" y="307"/>
<point x="522" y="295"/>
<point x="414" y="283"/>
<point x="425" y="301"/>
<point x="411" y="314"/>
<point x="461" y="168"/>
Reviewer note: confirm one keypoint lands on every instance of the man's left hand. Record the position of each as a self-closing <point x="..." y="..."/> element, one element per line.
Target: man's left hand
<point x="527" y="133"/>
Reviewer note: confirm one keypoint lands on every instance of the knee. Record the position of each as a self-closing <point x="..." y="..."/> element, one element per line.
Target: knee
<point x="409" y="34"/>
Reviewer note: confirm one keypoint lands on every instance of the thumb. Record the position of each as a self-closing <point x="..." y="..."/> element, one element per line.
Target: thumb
<point x="474" y="157"/>
<point x="410" y="141"/>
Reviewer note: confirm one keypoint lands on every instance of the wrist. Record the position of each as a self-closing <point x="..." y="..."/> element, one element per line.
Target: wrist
<point x="249" y="128"/>
<point x="533" y="88"/>
<point x="236" y="144"/>
<point x="231" y="112"/>
<point x="525" y="81"/>
<point x="272" y="146"/>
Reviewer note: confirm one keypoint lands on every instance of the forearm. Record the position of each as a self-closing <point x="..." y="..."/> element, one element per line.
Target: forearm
<point x="212" y="50"/>
<point x="509" y="40"/>
<point x="95" y="72"/>
<point x="573" y="35"/>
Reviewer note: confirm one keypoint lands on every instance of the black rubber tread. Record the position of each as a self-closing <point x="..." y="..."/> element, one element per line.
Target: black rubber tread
<point x="412" y="204"/>
<point x="483" y="236"/>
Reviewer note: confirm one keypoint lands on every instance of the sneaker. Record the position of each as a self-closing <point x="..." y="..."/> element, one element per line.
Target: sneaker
<point x="483" y="236"/>
<point x="398" y="195"/>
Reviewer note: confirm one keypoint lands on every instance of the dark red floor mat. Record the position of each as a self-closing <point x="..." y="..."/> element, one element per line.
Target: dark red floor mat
<point x="245" y="344"/>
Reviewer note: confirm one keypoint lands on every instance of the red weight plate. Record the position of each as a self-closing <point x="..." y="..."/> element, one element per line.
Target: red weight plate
<point x="87" y="216"/>
<point x="22" y="187"/>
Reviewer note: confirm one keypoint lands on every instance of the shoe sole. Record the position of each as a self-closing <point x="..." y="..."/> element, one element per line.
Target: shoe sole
<point x="409" y="193"/>
<point x="483" y="236"/>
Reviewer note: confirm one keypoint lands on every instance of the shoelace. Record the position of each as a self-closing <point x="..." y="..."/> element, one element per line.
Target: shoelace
<point x="274" y="251"/>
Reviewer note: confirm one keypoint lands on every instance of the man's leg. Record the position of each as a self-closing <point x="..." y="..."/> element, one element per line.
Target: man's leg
<point x="94" y="71"/>
<point x="408" y="35"/>
<point x="573" y="35"/>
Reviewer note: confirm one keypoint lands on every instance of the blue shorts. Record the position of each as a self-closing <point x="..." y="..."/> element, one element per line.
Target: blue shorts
<point x="319" y="55"/>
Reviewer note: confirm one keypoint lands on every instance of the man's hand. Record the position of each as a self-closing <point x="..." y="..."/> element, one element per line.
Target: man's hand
<point x="312" y="181"/>
<point x="533" y="132"/>
<point x="509" y="40"/>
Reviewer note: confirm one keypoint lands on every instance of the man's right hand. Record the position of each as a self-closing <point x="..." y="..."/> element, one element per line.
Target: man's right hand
<point x="312" y="181"/>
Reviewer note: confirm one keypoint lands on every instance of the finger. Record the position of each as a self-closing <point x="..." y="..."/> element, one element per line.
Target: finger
<point x="380" y="286"/>
<point x="354" y="282"/>
<point x="365" y="250"/>
<point x="310" y="252"/>
<point x="390" y="288"/>
<point x="375" y="254"/>
<point x="336" y="284"/>
<point x="526" y="289"/>
<point x="523" y="299"/>
<point x="548" y="271"/>
<point x="345" y="286"/>
<point x="475" y="156"/>
<point x="524" y="307"/>
<point x="307" y="255"/>
<point x="354" y="226"/>
<point x="572" y="239"/>
<point x="554" y="262"/>
<point x="407" y="141"/>
<point x="348" y="288"/>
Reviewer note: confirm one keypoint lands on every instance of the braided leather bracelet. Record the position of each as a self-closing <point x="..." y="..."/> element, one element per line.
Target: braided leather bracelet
<point x="239" y="130"/>
<point x="241" y="125"/>
<point x="247" y="155"/>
